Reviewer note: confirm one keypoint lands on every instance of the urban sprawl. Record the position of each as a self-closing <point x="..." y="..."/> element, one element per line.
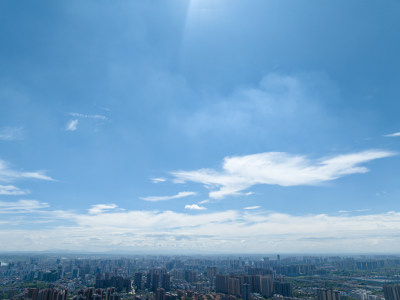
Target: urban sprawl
<point x="102" y="277"/>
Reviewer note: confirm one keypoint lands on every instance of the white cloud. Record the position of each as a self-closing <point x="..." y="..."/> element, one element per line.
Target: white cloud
<point x="21" y="206"/>
<point x="396" y="134"/>
<point x="252" y="207"/>
<point x="179" y="181"/>
<point x="72" y="125"/>
<point x="11" y="133"/>
<point x="278" y="168"/>
<point x="11" y="190"/>
<point x="158" y="180"/>
<point x="205" y="201"/>
<point x="101" y="208"/>
<point x="221" y="232"/>
<point x="353" y="211"/>
<point x="195" y="207"/>
<point x="7" y="174"/>
<point x="78" y="115"/>
<point x="163" y="198"/>
<point x="36" y="175"/>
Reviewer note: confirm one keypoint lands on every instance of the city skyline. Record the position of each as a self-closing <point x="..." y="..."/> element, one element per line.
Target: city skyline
<point x="200" y="126"/>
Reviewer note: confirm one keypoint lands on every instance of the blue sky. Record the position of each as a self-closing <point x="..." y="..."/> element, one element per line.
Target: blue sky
<point x="200" y="126"/>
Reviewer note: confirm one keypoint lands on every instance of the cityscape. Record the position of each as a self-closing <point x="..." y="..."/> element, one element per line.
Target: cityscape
<point x="199" y="150"/>
<point x="110" y="277"/>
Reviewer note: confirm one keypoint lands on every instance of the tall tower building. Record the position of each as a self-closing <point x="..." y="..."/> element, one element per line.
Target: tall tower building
<point x="255" y="281"/>
<point x="211" y="272"/>
<point x="234" y="286"/>
<point x="166" y="282"/>
<point x="160" y="294"/>
<point x="245" y="291"/>
<point x="221" y="283"/>
<point x="267" y="286"/>
<point x="138" y="280"/>
<point x="155" y="279"/>
<point x="392" y="292"/>
<point x="325" y="294"/>
<point x="283" y="288"/>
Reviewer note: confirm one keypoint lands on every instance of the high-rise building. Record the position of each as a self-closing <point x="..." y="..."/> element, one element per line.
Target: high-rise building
<point x="211" y="272"/>
<point x="33" y="293"/>
<point x="190" y="276"/>
<point x="392" y="292"/>
<point x="255" y="283"/>
<point x="328" y="294"/>
<point x="109" y="293"/>
<point x="138" y="280"/>
<point x="234" y="286"/>
<point x="160" y="294"/>
<point x="221" y="284"/>
<point x="245" y="291"/>
<point x="148" y="281"/>
<point x="283" y="288"/>
<point x="267" y="286"/>
<point x="155" y="279"/>
<point x="166" y="282"/>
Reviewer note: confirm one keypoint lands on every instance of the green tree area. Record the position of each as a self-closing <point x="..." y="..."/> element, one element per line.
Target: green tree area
<point x="34" y="284"/>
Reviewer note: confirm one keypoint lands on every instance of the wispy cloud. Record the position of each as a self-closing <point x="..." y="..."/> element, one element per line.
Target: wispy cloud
<point x="252" y="207"/>
<point x="256" y="109"/>
<point x="11" y="190"/>
<point x="36" y="175"/>
<point x="11" y="133"/>
<point x="98" y="117"/>
<point x="205" y="201"/>
<point x="353" y="211"/>
<point x="195" y="207"/>
<point x="278" y="168"/>
<point x="21" y="206"/>
<point x="72" y="125"/>
<point x="101" y="208"/>
<point x="396" y="134"/>
<point x="158" y="180"/>
<point x="163" y="198"/>
<point x="8" y="174"/>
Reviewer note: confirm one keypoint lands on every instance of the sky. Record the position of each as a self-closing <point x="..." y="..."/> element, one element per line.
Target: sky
<point x="200" y="126"/>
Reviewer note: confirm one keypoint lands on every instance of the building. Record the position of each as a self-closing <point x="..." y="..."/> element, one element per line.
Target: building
<point x="246" y="291"/>
<point x="160" y="294"/>
<point x="325" y="294"/>
<point x="283" y="288"/>
<point x="234" y="286"/>
<point x="211" y="272"/>
<point x="221" y="284"/>
<point x="392" y="292"/>
<point x="190" y="276"/>
<point x="138" y="280"/>
<point x="166" y="282"/>
<point x="267" y="285"/>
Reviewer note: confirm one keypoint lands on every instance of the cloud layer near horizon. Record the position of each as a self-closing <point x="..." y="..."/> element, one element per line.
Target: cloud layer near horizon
<point x="242" y="172"/>
<point x="111" y="228"/>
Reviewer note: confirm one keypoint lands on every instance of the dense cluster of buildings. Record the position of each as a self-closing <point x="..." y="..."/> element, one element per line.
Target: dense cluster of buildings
<point x="42" y="294"/>
<point x="193" y="278"/>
